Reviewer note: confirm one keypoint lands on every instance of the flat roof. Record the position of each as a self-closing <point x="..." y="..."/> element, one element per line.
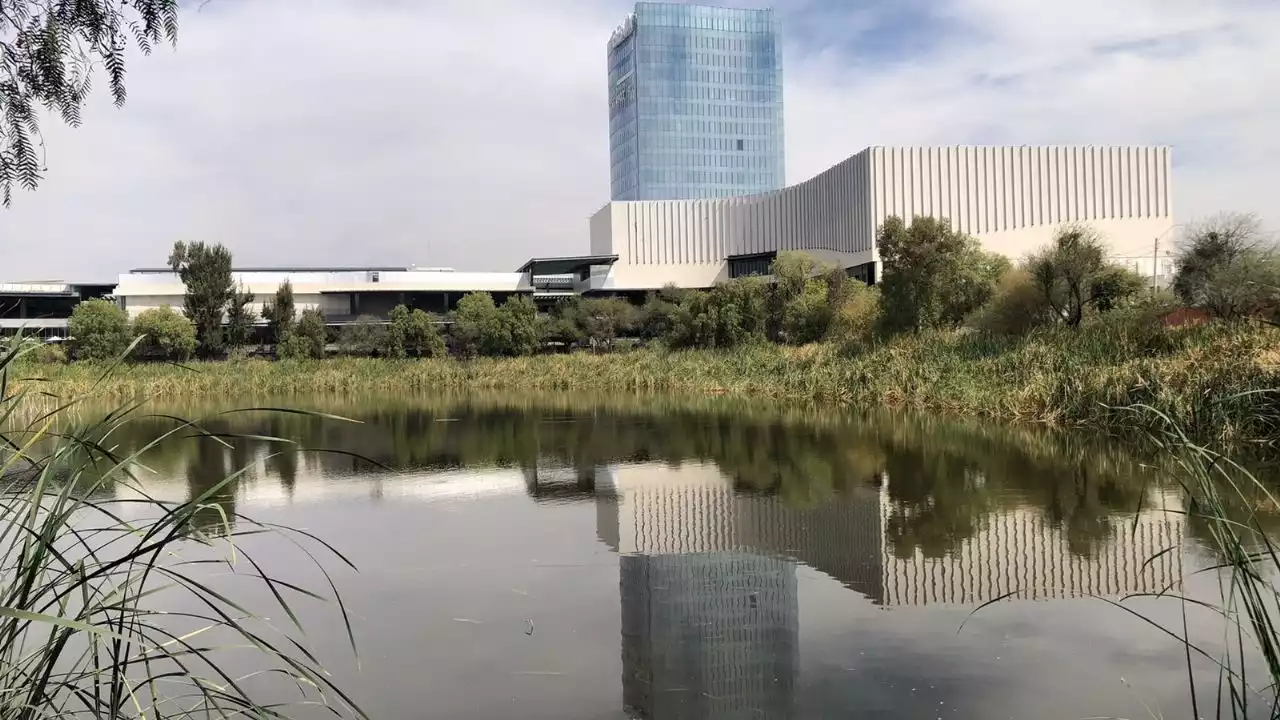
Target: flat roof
<point x="565" y="265"/>
<point x="286" y="269"/>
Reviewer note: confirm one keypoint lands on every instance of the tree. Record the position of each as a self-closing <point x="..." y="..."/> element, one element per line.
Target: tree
<point x="1073" y="275"/>
<point x="934" y="276"/>
<point x="562" y="325"/>
<point x="730" y="314"/>
<point x="423" y="338"/>
<point x="413" y="333"/>
<point x="1227" y="269"/>
<point x="50" y="50"/>
<point x="792" y="272"/>
<point x="476" y="327"/>
<point x="307" y="340"/>
<point x="659" y="313"/>
<point x="367" y="336"/>
<point x="279" y="313"/>
<point x="240" y="319"/>
<point x="518" y="327"/>
<point x="210" y="288"/>
<point x="99" y="330"/>
<point x="1017" y="306"/>
<point x="1208" y="247"/>
<point x="166" y="333"/>
<point x="602" y="320"/>
<point x="853" y="324"/>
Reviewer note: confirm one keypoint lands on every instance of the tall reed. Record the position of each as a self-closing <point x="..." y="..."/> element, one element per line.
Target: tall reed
<point x="107" y="607"/>
<point x="1228" y="502"/>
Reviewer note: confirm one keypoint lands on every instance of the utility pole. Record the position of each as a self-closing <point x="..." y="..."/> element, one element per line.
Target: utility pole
<point x="1155" y="266"/>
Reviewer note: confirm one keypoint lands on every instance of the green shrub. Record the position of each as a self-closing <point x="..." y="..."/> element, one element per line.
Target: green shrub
<point x="807" y="316"/>
<point x="1017" y="307"/>
<point x="476" y="326"/>
<point x="366" y="336"/>
<point x="518" y="328"/>
<point x="99" y="330"/>
<point x="293" y="347"/>
<point x="482" y="328"/>
<point x="853" y="324"/>
<point x="419" y="336"/>
<point x="47" y="354"/>
<point x="311" y="329"/>
<point x="166" y="333"/>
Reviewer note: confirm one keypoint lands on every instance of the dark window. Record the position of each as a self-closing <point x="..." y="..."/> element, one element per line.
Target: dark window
<point x="373" y="277"/>
<point x="739" y="143"/>
<point x="745" y="267"/>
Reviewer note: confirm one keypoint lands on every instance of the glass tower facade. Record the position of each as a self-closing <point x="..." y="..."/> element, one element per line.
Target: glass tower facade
<point x="695" y="103"/>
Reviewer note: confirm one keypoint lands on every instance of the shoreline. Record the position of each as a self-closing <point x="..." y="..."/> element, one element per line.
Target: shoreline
<point x="1214" y="378"/>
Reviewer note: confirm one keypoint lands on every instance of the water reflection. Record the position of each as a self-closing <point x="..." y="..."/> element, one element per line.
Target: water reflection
<point x="717" y="517"/>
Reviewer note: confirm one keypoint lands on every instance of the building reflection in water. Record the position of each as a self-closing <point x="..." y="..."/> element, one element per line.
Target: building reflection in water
<point x="708" y="577"/>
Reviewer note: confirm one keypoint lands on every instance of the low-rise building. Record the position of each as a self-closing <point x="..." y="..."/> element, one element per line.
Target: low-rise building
<point x="43" y="308"/>
<point x="341" y="293"/>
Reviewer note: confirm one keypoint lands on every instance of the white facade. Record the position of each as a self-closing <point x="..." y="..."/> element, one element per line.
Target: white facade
<point x="328" y="290"/>
<point x="1012" y="199"/>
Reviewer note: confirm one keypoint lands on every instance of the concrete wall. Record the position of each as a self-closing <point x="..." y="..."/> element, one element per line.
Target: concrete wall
<point x="1013" y="199"/>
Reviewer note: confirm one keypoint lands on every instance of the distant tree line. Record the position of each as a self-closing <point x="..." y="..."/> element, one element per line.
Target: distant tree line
<point x="934" y="277"/>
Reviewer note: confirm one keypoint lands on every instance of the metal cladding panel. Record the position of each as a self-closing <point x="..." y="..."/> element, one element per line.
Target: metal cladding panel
<point x="1008" y="196"/>
<point x="830" y="212"/>
<point x="992" y="189"/>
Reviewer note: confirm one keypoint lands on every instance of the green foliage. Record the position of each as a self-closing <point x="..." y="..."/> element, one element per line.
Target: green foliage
<point x="311" y="330"/>
<point x="99" y="330"/>
<point x="518" y="328"/>
<point x="732" y="313"/>
<point x="806" y="317"/>
<point x="294" y="347"/>
<point x="482" y="328"/>
<point x="50" y="51"/>
<point x="602" y="320"/>
<point x="1017" y="307"/>
<point x="562" y="325"/>
<point x="416" y="334"/>
<point x="934" y="276"/>
<point x="855" y="320"/>
<point x="658" y="315"/>
<point x="47" y="354"/>
<point x="368" y="336"/>
<point x="280" y="312"/>
<point x="240" y="319"/>
<point x="476" y="327"/>
<point x="1226" y="269"/>
<point x="210" y="290"/>
<point x="166" y="334"/>
<point x="1073" y="275"/>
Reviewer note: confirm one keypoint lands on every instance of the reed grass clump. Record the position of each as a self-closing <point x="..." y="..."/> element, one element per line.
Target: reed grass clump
<point x="107" y="605"/>
<point x="1218" y="377"/>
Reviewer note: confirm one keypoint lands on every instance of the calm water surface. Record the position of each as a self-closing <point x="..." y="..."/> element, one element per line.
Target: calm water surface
<point x="519" y="560"/>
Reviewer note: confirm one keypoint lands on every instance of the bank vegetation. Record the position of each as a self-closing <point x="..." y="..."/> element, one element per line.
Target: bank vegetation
<point x="1062" y="337"/>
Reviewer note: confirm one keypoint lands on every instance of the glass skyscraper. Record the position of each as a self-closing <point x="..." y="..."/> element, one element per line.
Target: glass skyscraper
<point x="695" y="103"/>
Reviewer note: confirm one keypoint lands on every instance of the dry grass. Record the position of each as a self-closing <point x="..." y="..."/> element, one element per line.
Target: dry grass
<point x="1216" y="377"/>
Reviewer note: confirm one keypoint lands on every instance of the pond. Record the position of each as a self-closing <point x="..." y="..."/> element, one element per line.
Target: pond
<point x="552" y="559"/>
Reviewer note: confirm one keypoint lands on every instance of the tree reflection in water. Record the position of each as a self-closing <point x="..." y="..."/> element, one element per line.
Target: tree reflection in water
<point x="945" y="478"/>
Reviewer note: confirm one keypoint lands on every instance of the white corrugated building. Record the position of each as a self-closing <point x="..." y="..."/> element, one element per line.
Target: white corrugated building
<point x="1012" y="198"/>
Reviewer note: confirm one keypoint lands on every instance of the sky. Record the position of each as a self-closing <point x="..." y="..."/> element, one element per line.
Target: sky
<point x="473" y="133"/>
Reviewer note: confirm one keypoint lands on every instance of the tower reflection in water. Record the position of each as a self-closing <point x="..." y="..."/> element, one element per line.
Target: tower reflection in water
<point x="710" y="621"/>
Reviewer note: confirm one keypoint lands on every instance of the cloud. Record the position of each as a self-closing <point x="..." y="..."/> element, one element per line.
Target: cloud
<point x="474" y="134"/>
